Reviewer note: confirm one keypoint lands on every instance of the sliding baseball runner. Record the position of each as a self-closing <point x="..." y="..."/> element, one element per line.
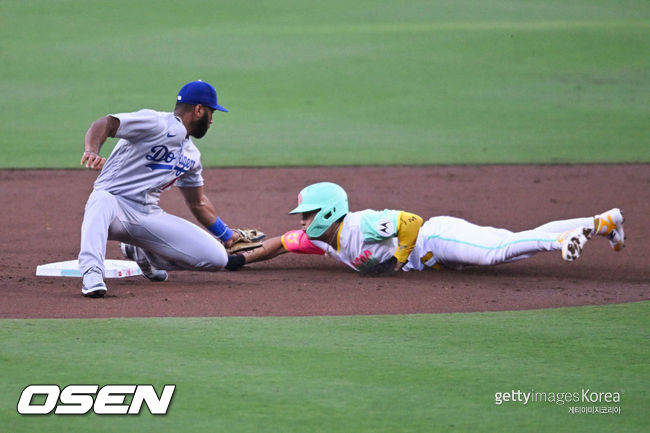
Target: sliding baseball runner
<point x="380" y="242"/>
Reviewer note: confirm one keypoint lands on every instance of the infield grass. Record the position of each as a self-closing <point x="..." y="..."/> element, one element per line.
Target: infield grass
<point x="419" y="373"/>
<point x="337" y="82"/>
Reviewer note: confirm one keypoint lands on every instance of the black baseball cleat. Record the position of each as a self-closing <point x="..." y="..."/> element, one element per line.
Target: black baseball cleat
<point x="148" y="271"/>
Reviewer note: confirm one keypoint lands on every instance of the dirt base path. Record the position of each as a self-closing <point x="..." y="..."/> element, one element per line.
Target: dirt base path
<point x="43" y="209"/>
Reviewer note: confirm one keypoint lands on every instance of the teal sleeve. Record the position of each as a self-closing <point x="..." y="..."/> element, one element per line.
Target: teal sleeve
<point x="379" y="225"/>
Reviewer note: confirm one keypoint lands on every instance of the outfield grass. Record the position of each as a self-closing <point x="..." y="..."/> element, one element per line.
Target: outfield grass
<point x="337" y="82"/>
<point x="345" y="374"/>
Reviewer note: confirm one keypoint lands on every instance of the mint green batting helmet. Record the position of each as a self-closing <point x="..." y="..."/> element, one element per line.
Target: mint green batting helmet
<point x="330" y="199"/>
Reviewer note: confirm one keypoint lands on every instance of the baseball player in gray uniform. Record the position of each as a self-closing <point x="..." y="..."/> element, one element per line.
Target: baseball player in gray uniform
<point x="154" y="152"/>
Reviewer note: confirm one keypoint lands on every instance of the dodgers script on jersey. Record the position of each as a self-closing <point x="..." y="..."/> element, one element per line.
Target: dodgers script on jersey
<point x="152" y="154"/>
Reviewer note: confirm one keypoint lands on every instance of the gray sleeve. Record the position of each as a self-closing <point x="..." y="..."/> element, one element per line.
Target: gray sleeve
<point x="134" y="126"/>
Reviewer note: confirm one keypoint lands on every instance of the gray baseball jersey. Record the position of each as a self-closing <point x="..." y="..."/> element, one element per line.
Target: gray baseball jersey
<point x="152" y="154"/>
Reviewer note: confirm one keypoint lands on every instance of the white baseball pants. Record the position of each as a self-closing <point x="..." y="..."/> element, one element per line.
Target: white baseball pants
<point x="455" y="243"/>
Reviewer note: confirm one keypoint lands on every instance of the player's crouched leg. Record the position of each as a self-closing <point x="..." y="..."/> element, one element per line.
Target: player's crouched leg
<point x="214" y="257"/>
<point x="174" y="244"/>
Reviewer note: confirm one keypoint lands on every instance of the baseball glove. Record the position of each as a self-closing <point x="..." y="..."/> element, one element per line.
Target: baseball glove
<point x="249" y="239"/>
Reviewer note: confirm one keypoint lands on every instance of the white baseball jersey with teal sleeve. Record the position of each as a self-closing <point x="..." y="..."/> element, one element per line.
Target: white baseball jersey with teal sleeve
<point x="365" y="239"/>
<point x="152" y="154"/>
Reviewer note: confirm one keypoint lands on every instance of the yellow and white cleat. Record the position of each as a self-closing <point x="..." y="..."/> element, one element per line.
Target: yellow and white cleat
<point x="610" y="225"/>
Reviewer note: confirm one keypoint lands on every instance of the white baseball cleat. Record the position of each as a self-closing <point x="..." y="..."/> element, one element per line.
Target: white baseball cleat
<point x="93" y="285"/>
<point x="148" y="270"/>
<point x="573" y="242"/>
<point x="96" y="291"/>
<point x="610" y="225"/>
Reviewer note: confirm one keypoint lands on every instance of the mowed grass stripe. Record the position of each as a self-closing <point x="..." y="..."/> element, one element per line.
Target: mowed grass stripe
<point x="432" y="27"/>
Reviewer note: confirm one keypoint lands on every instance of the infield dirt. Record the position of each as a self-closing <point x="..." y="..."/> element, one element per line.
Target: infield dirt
<point x="43" y="210"/>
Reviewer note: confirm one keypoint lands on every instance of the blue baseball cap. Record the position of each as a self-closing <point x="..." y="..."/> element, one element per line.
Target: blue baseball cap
<point x="199" y="92"/>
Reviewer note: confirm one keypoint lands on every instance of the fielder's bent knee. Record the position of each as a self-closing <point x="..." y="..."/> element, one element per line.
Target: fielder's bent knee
<point x="216" y="258"/>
